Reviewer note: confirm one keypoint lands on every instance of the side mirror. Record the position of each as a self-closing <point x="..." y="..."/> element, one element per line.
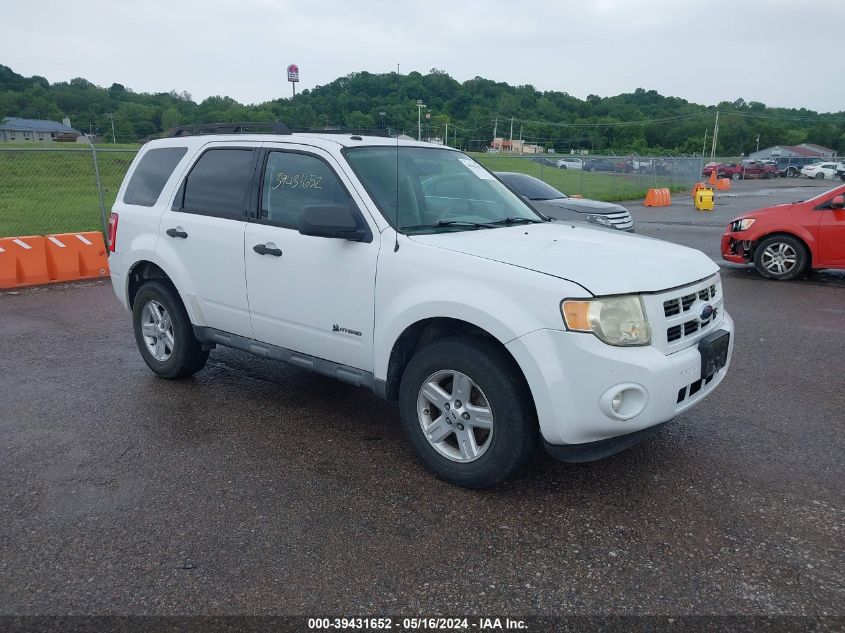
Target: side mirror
<point x="333" y="220"/>
<point x="838" y="202"/>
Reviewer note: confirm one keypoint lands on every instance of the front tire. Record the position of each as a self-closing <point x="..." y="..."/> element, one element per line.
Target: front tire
<point x="164" y="333"/>
<point x="735" y="176"/>
<point x="780" y="257"/>
<point x="467" y="412"/>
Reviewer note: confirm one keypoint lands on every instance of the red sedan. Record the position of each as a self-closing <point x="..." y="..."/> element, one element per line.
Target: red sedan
<point x="785" y="240"/>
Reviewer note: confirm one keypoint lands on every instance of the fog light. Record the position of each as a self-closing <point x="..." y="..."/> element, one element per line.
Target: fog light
<point x="616" y="403"/>
<point x="623" y="402"/>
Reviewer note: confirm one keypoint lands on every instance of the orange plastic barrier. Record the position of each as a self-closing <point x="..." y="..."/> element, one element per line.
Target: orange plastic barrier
<point x="23" y="261"/>
<point x="697" y="186"/>
<point x="31" y="260"/>
<point x="658" y="198"/>
<point x="76" y="256"/>
<point x="713" y="177"/>
<point x="723" y="184"/>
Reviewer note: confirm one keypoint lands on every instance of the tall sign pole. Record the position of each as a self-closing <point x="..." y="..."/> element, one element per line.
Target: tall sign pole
<point x="293" y="76"/>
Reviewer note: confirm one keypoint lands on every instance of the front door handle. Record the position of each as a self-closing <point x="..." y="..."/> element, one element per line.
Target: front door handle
<point x="177" y="232"/>
<point x="267" y="249"/>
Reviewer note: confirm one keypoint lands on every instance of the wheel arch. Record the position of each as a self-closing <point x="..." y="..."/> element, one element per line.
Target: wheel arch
<point x="424" y="331"/>
<point x="141" y="271"/>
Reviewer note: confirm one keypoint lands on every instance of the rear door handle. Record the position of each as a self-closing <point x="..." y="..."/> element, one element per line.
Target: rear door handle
<point x="267" y="249"/>
<point x="177" y="232"/>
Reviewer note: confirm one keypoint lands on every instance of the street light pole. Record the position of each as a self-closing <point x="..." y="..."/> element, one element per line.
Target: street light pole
<point x="420" y="106"/>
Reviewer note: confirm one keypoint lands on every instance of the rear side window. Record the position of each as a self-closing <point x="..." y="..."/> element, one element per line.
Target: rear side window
<point x="293" y="181"/>
<point x="219" y="184"/>
<point x="151" y="174"/>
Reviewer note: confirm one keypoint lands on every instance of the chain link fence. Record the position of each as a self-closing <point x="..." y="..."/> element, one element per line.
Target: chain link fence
<point x="601" y="177"/>
<point x="58" y="190"/>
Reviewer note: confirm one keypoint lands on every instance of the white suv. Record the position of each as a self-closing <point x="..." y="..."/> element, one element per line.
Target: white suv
<point x="410" y="269"/>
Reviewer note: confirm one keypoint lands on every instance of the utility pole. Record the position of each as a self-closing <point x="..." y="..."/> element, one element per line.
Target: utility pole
<point x="758" y="143"/>
<point x="420" y="106"/>
<point x="520" y="132"/>
<point x="111" y="117"/>
<point x="704" y="145"/>
<point x="495" y="130"/>
<point x="715" y="137"/>
<point x="447" y="133"/>
<point x="511" y="133"/>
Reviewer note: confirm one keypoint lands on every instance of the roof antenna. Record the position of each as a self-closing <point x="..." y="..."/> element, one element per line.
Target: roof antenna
<point x="396" y="233"/>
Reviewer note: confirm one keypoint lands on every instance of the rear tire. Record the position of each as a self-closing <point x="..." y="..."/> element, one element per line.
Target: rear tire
<point x="479" y="419"/>
<point x="781" y="257"/>
<point x="819" y="176"/>
<point x="164" y="333"/>
<point x="735" y="176"/>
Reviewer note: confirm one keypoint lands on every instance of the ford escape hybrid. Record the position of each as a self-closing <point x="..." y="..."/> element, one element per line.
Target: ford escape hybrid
<point x="411" y="270"/>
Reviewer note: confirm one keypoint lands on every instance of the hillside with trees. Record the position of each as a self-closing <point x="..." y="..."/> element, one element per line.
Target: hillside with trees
<point x="643" y="121"/>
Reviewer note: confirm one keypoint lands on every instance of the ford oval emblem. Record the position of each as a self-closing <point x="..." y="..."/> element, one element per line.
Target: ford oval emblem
<point x="706" y="312"/>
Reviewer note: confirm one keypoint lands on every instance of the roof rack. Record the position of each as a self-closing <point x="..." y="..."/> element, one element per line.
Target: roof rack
<point x="265" y="127"/>
<point x="362" y="132"/>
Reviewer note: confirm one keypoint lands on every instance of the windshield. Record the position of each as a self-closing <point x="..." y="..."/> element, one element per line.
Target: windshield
<point x="439" y="190"/>
<point x="531" y="187"/>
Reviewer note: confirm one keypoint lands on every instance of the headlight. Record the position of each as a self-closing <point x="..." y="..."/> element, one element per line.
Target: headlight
<point x="614" y="320"/>
<point x="741" y="225"/>
<point x="601" y="220"/>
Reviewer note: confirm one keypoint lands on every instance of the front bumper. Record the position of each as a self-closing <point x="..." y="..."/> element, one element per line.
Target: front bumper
<point x="735" y="248"/>
<point x="570" y="375"/>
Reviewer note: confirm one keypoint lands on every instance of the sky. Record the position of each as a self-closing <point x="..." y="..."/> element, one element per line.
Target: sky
<point x="705" y="51"/>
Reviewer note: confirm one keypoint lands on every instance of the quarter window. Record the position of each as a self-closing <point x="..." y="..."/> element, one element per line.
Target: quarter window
<point x="219" y="184"/>
<point x="293" y="181"/>
<point x="151" y="174"/>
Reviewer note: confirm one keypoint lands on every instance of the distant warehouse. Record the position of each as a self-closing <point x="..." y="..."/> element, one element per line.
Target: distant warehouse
<point x="805" y="150"/>
<point x="17" y="130"/>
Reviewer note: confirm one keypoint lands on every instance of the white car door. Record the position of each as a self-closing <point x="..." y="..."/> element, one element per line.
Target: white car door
<point x="201" y="237"/>
<point x="308" y="294"/>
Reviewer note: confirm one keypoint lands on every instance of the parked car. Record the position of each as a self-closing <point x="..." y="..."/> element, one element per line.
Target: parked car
<point x="600" y="164"/>
<point x="557" y="205"/>
<point x="820" y="171"/>
<point x="840" y="171"/>
<point x="548" y="162"/>
<point x="411" y="270"/>
<point x="790" y="167"/>
<point x="785" y="240"/>
<point x="743" y="170"/>
<point x="569" y="163"/>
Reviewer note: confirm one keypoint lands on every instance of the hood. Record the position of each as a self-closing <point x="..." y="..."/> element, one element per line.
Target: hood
<point x="775" y="208"/>
<point x="603" y="262"/>
<point x="582" y="205"/>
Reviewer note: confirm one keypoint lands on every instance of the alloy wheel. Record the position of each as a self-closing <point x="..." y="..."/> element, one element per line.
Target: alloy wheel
<point x="779" y="258"/>
<point x="157" y="329"/>
<point x="455" y="416"/>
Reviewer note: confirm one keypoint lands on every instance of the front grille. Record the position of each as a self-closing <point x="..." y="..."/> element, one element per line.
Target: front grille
<point x="676" y="306"/>
<point x="708" y="293"/>
<point x="678" y="313"/>
<point x="621" y="220"/>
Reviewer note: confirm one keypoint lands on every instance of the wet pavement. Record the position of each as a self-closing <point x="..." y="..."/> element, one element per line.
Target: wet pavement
<point x="259" y="488"/>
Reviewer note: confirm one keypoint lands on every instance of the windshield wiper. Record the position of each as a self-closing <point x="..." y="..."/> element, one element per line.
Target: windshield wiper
<point x="467" y="223"/>
<point x="512" y="220"/>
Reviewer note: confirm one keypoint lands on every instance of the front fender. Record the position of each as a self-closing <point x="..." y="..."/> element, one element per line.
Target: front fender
<point x="505" y="301"/>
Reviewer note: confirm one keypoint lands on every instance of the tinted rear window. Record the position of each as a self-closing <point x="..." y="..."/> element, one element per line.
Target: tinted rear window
<point x="152" y="173"/>
<point x="219" y="182"/>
